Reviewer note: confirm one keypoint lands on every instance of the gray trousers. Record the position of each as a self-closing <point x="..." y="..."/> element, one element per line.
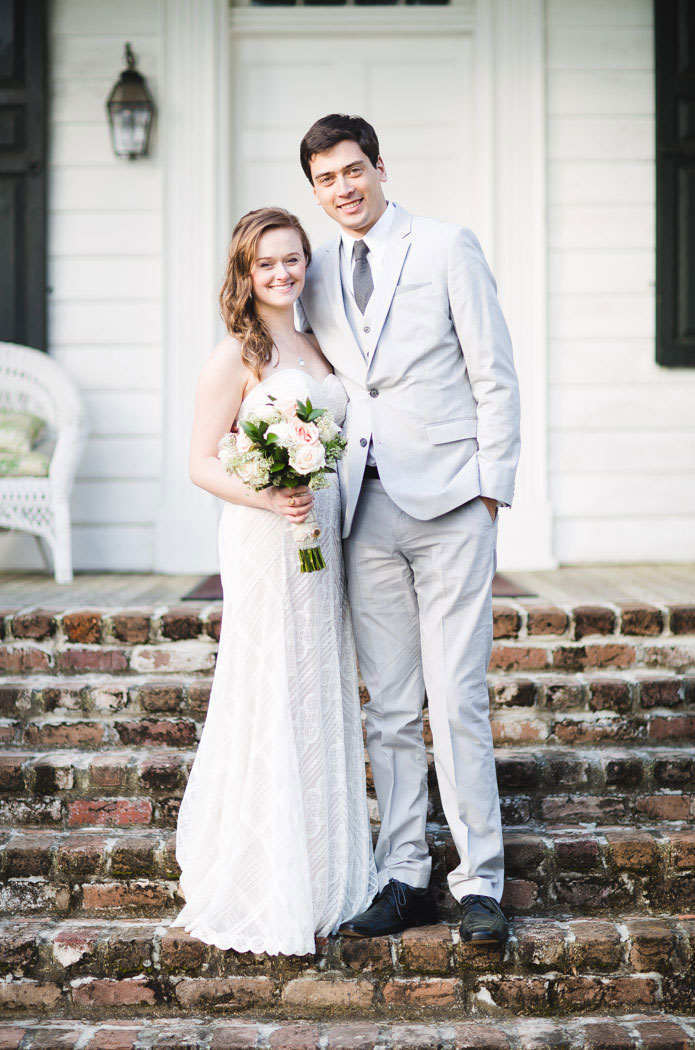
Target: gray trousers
<point x="421" y="600"/>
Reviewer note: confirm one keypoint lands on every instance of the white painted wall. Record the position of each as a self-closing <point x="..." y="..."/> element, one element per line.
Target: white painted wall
<point x="105" y="272"/>
<point x="622" y="429"/>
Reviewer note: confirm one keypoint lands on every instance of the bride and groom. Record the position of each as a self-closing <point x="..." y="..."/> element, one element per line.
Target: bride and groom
<point x="273" y="838"/>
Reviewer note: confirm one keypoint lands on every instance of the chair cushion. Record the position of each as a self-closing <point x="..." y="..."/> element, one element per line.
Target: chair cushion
<point x="24" y="465"/>
<point x="19" y="431"/>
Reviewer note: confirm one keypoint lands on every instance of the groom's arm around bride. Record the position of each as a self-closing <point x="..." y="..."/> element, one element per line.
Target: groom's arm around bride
<point x="405" y="308"/>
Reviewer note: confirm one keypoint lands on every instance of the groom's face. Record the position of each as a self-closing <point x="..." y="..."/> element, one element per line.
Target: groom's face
<point x="348" y="187"/>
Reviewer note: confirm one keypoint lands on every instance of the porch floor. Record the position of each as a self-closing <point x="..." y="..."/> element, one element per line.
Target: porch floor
<point x="662" y="584"/>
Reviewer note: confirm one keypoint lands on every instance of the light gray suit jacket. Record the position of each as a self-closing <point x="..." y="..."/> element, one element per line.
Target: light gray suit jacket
<point x="436" y="389"/>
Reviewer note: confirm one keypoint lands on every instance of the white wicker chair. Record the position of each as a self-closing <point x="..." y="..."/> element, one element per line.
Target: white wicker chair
<point x="31" y="381"/>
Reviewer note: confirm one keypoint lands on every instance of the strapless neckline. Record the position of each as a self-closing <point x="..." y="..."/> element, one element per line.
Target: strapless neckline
<point x="284" y="371"/>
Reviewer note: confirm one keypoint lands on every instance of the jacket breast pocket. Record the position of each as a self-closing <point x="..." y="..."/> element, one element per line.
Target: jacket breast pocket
<point x="452" y="430"/>
<point x="401" y="289"/>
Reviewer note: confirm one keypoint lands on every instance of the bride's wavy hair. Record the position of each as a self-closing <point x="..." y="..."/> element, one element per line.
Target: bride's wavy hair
<point x="236" y="297"/>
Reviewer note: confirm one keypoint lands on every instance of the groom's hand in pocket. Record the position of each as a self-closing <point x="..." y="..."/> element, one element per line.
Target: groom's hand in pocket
<point x="492" y="506"/>
<point x="293" y="504"/>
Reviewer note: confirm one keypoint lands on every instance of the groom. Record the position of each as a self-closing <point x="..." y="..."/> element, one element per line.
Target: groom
<point x="405" y="309"/>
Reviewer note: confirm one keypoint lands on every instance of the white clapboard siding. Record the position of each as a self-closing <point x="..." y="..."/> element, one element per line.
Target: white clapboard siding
<point x="608" y="407"/>
<point x="668" y="537"/>
<point x="117" y="412"/>
<point x="601" y="227"/>
<point x="606" y="494"/>
<point x="114" y="548"/>
<point x="111" y="367"/>
<point x="105" y="276"/>
<point x="77" y="323"/>
<point x="115" y="502"/>
<point x="598" y="316"/>
<point x="621" y="429"/>
<point x="600" y="47"/>
<point x="601" y="182"/>
<point x="593" y="93"/>
<point x="581" y="360"/>
<point x="616" y="273"/>
<point x="631" y="452"/>
<point x="124" y="278"/>
<point x="122" y="458"/>
<point x="609" y="13"/>
<point x="105" y="233"/>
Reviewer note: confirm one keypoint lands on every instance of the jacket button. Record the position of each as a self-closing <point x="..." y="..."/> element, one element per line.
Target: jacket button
<point x="363" y="442"/>
<point x="366" y="328"/>
<point x="373" y="393"/>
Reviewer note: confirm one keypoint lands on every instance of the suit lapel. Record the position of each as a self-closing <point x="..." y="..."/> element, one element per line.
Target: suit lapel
<point x="394" y="257"/>
<point x="330" y="272"/>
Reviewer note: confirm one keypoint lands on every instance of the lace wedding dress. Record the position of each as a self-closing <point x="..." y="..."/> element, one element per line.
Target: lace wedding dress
<point x="273" y="835"/>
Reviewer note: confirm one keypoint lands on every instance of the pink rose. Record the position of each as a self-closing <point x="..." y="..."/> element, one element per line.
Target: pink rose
<point x="305" y="433"/>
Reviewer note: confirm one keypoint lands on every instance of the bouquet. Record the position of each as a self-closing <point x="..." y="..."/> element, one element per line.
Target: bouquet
<point x="289" y="443"/>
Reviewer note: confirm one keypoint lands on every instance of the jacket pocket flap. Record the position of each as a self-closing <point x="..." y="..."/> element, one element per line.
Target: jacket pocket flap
<point x="451" y="430"/>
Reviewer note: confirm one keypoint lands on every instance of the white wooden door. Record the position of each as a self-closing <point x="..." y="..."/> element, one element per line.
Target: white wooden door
<point x="409" y="72"/>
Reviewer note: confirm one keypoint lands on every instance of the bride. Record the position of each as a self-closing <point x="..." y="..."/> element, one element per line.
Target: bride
<point x="273" y="835"/>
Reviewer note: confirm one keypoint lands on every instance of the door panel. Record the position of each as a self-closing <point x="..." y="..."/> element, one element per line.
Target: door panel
<point x="415" y="89"/>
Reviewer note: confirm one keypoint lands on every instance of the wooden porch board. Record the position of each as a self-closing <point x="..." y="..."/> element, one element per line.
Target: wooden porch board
<point x="660" y="583"/>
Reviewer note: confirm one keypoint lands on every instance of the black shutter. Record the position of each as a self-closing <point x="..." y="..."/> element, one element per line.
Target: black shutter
<point x="22" y="172"/>
<point x="674" y="29"/>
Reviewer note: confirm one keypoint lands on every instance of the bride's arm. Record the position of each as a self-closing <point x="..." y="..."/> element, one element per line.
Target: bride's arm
<point x="219" y="393"/>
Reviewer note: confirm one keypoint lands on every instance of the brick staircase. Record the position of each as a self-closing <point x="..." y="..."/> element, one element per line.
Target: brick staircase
<point x="593" y="712"/>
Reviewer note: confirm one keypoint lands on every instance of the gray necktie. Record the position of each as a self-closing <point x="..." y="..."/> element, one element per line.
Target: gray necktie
<point x="362" y="282"/>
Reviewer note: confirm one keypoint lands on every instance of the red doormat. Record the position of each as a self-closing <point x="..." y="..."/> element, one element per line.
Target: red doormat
<point x="210" y="589"/>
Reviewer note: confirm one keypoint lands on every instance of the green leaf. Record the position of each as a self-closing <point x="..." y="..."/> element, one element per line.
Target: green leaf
<point x="315" y="414"/>
<point x="249" y="429"/>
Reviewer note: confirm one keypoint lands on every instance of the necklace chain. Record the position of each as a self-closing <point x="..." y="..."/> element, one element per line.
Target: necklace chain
<point x="299" y="357"/>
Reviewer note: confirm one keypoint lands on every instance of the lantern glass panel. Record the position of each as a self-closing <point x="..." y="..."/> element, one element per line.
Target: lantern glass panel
<point x="131" y="125"/>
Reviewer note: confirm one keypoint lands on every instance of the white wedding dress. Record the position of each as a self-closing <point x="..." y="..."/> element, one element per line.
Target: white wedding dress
<point x="273" y="836"/>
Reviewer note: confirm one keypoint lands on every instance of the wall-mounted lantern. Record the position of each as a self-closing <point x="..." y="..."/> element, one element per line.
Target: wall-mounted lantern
<point x="130" y="109"/>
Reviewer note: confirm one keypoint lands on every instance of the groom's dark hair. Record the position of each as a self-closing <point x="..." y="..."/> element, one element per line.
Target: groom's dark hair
<point x="329" y="131"/>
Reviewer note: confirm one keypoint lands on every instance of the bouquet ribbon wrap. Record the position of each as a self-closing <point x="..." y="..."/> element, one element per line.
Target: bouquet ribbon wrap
<point x="306" y="536"/>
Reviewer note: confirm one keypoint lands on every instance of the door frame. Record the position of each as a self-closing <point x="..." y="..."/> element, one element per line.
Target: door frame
<point x="510" y="190"/>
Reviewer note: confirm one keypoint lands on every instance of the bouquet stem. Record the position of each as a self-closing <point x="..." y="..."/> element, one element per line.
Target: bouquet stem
<point x="311" y="559"/>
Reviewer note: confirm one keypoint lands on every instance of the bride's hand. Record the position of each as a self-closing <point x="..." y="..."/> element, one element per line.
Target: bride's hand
<point x="294" y="504"/>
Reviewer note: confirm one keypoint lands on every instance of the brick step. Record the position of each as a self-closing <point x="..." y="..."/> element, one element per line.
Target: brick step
<point x="120" y="711"/>
<point x="634" y="1032"/>
<point x="562" y="872"/>
<point x="546" y="968"/>
<point x="527" y="637"/>
<point x="526" y="618"/>
<point x="117" y="786"/>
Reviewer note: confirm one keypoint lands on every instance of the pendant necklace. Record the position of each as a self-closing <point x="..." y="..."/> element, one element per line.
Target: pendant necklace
<point x="299" y="357"/>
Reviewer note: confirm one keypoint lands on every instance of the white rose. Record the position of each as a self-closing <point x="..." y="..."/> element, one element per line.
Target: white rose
<point x="282" y="433"/>
<point x="308" y="458"/>
<point x="253" y="472"/>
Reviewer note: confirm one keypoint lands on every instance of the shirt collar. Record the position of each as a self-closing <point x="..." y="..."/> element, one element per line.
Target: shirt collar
<point x="376" y="238"/>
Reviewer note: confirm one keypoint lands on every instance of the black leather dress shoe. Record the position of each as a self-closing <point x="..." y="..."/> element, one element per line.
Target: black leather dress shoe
<point x="482" y="920"/>
<point x="397" y="907"/>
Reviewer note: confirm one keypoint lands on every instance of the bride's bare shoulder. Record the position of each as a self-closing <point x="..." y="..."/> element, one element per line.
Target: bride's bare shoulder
<point x="224" y="363"/>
